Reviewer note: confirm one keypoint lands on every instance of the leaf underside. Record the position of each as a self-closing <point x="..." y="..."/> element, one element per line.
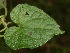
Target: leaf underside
<point x="34" y="29"/>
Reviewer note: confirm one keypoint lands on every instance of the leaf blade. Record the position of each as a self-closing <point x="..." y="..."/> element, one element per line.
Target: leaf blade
<point x="35" y="27"/>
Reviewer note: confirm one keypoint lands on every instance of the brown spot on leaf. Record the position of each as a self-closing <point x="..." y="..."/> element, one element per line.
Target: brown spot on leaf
<point x="30" y="33"/>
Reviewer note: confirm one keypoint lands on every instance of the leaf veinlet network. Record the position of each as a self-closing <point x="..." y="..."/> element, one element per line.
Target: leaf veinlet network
<point x="35" y="28"/>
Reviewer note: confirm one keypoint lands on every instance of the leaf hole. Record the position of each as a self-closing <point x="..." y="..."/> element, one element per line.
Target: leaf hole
<point x="27" y="13"/>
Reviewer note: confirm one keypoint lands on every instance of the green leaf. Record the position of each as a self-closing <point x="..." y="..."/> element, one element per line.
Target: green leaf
<point x="2" y="3"/>
<point x="34" y="29"/>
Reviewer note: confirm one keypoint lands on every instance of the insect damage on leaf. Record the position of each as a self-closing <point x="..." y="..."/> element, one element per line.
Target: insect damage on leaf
<point x="35" y="27"/>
